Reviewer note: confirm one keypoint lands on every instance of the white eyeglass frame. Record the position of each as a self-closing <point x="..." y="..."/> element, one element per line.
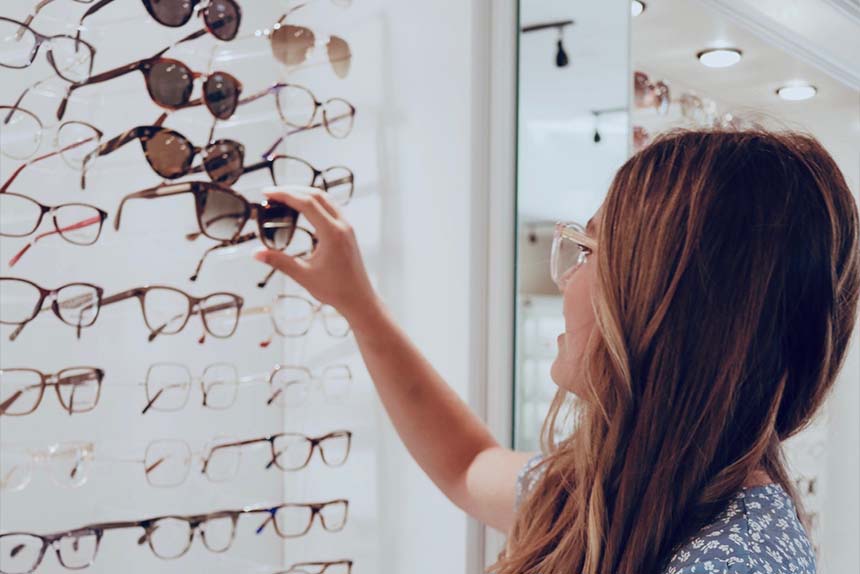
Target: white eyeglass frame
<point x="576" y="234"/>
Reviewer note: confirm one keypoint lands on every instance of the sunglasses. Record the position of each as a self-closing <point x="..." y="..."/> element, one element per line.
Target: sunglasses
<point x="648" y="94"/>
<point x="21" y="390"/>
<point x="166" y="310"/>
<point x="21" y="216"/>
<point x="71" y="58"/>
<point x="170" y="84"/>
<point x="170" y="154"/>
<point x="292" y="46"/>
<point x="221" y="18"/>
<point x="222" y="214"/>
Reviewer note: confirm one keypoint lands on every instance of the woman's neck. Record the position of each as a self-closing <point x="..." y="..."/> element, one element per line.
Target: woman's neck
<point x="758" y="477"/>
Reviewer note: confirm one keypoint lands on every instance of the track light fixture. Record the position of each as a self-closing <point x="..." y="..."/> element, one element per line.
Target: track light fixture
<point x="561" y="57"/>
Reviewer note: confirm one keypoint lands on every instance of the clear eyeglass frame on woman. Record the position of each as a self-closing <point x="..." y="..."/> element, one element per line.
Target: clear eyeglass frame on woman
<point x="571" y="247"/>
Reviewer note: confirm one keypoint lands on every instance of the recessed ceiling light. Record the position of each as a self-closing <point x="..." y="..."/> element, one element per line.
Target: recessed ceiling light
<point x="797" y="92"/>
<point x="637" y="7"/>
<point x="720" y="57"/>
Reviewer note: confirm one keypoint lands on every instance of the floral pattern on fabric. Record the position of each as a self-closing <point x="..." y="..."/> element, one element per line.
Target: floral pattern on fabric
<point x="757" y="533"/>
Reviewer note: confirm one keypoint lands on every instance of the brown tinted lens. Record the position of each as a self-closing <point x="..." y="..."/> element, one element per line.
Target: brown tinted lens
<point x="339" y="56"/>
<point x="224" y="161"/>
<point x="222" y="214"/>
<point x="173" y="13"/>
<point x="169" y="154"/>
<point x="221" y="94"/>
<point x="291" y="44"/>
<point x="277" y="225"/>
<point x="222" y="17"/>
<point x="169" y="83"/>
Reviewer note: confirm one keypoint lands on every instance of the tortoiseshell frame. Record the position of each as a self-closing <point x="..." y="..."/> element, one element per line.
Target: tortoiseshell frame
<point x="145" y="67"/>
<point x="315" y="444"/>
<point x="204" y="13"/>
<point x="193" y="308"/>
<point x="149" y="525"/>
<point x="56" y="380"/>
<point x="146" y="133"/>
<point x="55" y="305"/>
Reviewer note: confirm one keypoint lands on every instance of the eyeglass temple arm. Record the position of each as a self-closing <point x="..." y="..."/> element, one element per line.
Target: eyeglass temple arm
<point x="238" y="240"/>
<point x="265" y="281"/>
<point x="36" y="9"/>
<point x="94" y="220"/>
<point x="21" y="167"/>
<point x="237" y="444"/>
<point x="114" y="144"/>
<point x="271" y="149"/>
<point x="97" y="79"/>
<point x="153" y="193"/>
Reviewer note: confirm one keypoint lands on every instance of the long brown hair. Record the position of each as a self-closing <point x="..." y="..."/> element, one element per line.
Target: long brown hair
<point x="728" y="267"/>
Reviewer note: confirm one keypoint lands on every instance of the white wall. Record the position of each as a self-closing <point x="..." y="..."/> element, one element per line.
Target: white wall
<point x="413" y="81"/>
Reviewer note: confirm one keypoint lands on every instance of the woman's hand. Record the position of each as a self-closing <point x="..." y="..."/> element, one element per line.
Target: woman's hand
<point x="334" y="274"/>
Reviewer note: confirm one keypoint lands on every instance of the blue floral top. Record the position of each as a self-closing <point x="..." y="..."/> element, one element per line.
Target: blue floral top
<point x="757" y="533"/>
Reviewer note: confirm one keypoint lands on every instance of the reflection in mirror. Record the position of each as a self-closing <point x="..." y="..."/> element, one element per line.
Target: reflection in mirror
<point x="572" y="136"/>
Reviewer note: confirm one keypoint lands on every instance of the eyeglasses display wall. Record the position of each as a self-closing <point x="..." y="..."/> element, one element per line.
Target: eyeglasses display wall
<point x="166" y="403"/>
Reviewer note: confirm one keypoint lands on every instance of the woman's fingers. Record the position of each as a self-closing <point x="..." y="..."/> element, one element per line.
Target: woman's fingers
<point x="292" y="266"/>
<point x="308" y="202"/>
<point x="330" y="206"/>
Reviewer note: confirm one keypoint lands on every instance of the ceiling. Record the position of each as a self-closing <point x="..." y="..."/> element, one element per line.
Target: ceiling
<point x="782" y="41"/>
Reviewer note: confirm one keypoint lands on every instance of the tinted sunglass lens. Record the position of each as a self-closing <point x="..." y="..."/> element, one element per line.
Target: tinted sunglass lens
<point x="222" y="215"/>
<point x="223" y="18"/>
<point x="291" y="44"/>
<point x="224" y="161"/>
<point x="277" y="225"/>
<point x="221" y="94"/>
<point x="172" y="13"/>
<point x="169" y="154"/>
<point x="169" y="83"/>
<point x="339" y="55"/>
<point x="17" y="44"/>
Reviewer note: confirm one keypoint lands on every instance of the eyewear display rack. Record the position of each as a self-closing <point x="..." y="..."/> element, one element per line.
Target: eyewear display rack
<point x="91" y="466"/>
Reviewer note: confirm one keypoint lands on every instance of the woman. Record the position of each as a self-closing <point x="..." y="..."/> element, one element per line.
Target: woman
<point x="708" y="308"/>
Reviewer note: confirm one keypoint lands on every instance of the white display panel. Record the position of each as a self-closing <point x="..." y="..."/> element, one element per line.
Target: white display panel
<point x="150" y="249"/>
